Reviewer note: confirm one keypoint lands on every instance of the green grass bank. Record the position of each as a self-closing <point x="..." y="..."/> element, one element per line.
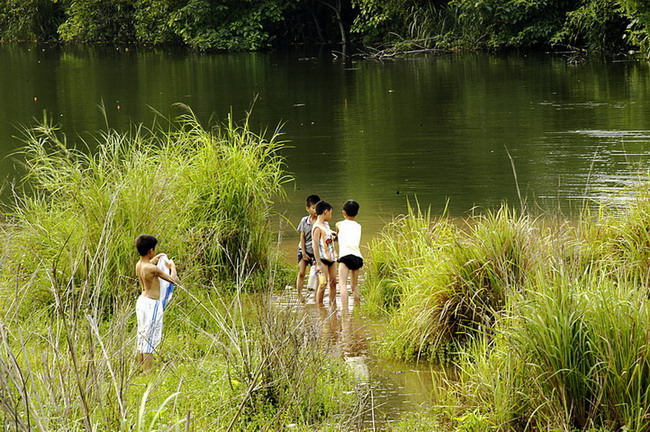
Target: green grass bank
<point x="544" y="321"/>
<point x="229" y="360"/>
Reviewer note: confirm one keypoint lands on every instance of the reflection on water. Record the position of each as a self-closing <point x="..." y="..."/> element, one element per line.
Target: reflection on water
<point x="439" y="128"/>
<point x="395" y="387"/>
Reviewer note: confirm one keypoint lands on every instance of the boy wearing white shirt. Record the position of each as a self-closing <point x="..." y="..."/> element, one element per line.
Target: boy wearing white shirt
<point x="350" y="261"/>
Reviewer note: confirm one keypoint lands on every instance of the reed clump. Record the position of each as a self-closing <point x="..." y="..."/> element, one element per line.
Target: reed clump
<point x="572" y="355"/>
<point x="404" y="247"/>
<point x="565" y="347"/>
<point x="205" y="193"/>
<point x="453" y="286"/>
<point x="617" y="237"/>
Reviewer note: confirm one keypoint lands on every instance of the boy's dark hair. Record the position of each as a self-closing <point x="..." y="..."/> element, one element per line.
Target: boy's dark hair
<point x="321" y="206"/>
<point x="351" y="208"/>
<point x="311" y="200"/>
<point x="144" y="243"/>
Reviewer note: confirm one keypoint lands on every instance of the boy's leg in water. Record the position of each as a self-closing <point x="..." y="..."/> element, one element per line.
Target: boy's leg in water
<point x="322" y="283"/>
<point x="343" y="285"/>
<point x="331" y="277"/>
<point x="354" y="278"/>
<point x="300" y="280"/>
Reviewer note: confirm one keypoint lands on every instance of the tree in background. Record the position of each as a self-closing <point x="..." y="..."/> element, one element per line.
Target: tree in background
<point x="639" y="28"/>
<point x="607" y="26"/>
<point x="98" y="21"/>
<point x="29" y="20"/>
<point x="227" y="24"/>
<point x="155" y="21"/>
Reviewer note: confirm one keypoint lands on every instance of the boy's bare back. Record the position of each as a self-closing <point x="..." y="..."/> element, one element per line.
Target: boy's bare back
<point x="148" y="275"/>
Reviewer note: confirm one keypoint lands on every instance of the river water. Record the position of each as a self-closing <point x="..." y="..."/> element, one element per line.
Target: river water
<point x="436" y="129"/>
<point x="450" y="131"/>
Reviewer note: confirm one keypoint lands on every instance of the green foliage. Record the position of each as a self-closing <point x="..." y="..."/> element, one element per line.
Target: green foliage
<point x="619" y="239"/>
<point x="639" y="29"/>
<point x="29" y="20"/>
<point x="155" y="21"/>
<point x="98" y="21"/>
<point x="473" y="421"/>
<point x="442" y="285"/>
<point x="377" y="17"/>
<point x="199" y="24"/>
<point x="502" y="23"/>
<point x="204" y="193"/>
<point x="227" y="24"/>
<point x="604" y="26"/>
<point x="573" y="355"/>
<point x="225" y="362"/>
<point x="598" y="24"/>
<point x="404" y="246"/>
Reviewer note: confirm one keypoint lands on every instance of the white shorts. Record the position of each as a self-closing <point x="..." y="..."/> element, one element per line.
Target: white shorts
<point x="150" y="323"/>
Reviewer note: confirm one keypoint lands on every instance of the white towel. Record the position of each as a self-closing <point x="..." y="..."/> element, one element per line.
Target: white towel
<point x="166" y="288"/>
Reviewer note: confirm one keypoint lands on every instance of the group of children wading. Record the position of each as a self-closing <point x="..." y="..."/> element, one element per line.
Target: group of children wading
<point x="316" y="248"/>
<point x="157" y="273"/>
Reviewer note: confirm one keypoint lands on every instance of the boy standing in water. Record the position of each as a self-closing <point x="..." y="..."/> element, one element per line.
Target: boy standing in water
<point x="305" y="247"/>
<point x="149" y="308"/>
<point x="324" y="252"/>
<point x="349" y="236"/>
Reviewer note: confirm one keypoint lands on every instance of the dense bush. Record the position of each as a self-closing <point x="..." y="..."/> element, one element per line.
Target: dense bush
<point x="600" y="25"/>
<point x="198" y="24"/>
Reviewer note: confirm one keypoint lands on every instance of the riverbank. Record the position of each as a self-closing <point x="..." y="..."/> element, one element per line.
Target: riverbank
<point x="600" y="26"/>
<point x="543" y="320"/>
<point x="68" y="295"/>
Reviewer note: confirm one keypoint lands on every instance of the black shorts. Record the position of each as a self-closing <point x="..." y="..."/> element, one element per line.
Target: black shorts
<point x="352" y="262"/>
<point x="328" y="263"/>
<point x="311" y="261"/>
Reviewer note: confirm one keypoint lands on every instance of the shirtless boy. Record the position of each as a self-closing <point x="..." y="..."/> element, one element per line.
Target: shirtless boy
<point x="324" y="252"/>
<point x="149" y="308"/>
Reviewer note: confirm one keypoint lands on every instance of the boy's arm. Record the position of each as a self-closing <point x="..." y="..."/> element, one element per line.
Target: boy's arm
<point x="155" y="259"/>
<point x="315" y="238"/>
<point x="302" y="247"/>
<point x="172" y="278"/>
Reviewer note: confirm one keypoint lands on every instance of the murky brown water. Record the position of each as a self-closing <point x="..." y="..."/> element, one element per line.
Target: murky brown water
<point x="396" y="387"/>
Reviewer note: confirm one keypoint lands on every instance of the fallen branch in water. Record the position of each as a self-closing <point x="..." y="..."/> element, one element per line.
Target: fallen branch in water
<point x="402" y="48"/>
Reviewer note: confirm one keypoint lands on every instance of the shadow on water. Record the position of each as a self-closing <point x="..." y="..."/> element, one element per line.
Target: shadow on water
<point x="397" y="387"/>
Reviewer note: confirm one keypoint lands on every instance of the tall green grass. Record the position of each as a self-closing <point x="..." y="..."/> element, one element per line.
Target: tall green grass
<point x="449" y="282"/>
<point x="572" y="356"/>
<point x="404" y="246"/>
<point x="617" y="238"/>
<point x="227" y="362"/>
<point x="205" y="193"/>
<point x="67" y="323"/>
